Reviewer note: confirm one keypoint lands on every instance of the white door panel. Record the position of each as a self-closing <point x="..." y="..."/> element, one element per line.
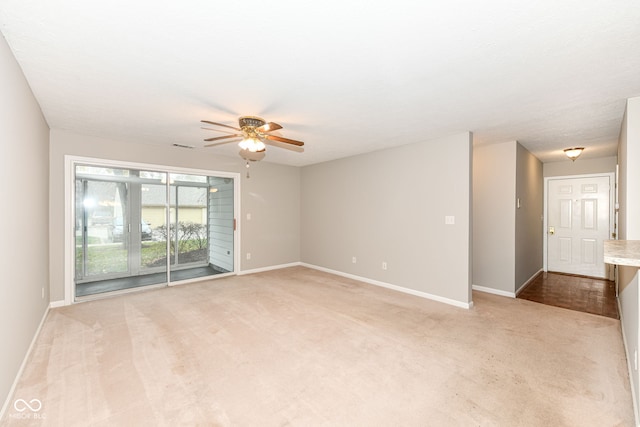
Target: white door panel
<point x="565" y="249"/>
<point x="578" y="225"/>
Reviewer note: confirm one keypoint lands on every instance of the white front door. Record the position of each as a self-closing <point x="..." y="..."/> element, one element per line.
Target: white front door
<point x="578" y="224"/>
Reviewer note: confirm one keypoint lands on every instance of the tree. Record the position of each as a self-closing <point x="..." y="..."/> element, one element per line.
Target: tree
<point x="191" y="231"/>
<point x="191" y="236"/>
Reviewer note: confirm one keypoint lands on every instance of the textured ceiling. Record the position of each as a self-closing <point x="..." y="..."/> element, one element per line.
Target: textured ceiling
<point x="346" y="77"/>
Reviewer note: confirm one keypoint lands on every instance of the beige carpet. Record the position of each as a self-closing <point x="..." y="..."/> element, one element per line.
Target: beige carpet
<point x="305" y="348"/>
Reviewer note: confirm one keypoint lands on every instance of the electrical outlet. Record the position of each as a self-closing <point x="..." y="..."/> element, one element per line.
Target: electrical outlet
<point x="384" y="265"/>
<point x="449" y="220"/>
<point x="353" y="260"/>
<point x="42" y="293"/>
<point x="248" y="255"/>
<point x="248" y="217"/>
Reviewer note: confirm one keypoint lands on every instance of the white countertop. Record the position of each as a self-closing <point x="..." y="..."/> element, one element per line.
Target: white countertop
<point x="622" y="252"/>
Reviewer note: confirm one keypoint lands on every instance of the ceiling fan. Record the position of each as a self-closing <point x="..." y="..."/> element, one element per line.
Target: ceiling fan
<point x="253" y="133"/>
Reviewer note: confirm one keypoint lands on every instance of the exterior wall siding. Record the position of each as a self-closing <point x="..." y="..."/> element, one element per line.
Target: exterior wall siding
<point x="221" y="217"/>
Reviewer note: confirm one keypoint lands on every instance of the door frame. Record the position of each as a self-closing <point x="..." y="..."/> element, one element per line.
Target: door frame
<point x="612" y="222"/>
<point x="70" y="163"/>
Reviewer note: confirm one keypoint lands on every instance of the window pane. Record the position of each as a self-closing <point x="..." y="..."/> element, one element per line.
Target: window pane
<point x="105" y="205"/>
<point x="192" y="225"/>
<point x="177" y="178"/>
<point x="157" y="176"/>
<point x="153" y="232"/>
<point x="101" y="171"/>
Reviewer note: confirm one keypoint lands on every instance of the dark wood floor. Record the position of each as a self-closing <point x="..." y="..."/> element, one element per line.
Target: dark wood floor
<point x="587" y="294"/>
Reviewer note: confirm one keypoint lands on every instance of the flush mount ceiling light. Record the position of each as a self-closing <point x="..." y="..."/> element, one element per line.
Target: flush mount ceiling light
<point x="574" y="152"/>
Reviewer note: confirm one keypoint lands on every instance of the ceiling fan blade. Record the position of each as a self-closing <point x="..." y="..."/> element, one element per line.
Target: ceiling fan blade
<point x="223" y="137"/>
<point x="285" y="140"/>
<point x="285" y="146"/>
<point x="220" y="124"/>
<point x="269" y="127"/>
<point x="221" y="143"/>
<point x="219" y="130"/>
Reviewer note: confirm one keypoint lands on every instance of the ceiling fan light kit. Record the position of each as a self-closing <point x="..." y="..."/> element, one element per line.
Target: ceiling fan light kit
<point x="254" y="134"/>
<point x="252" y="156"/>
<point x="252" y="144"/>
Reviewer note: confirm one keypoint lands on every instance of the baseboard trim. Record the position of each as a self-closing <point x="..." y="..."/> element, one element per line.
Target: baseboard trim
<point x="493" y="291"/>
<point x="57" y="304"/>
<point x="531" y="279"/>
<point x="392" y="287"/>
<point x="272" y="267"/>
<point x="629" y="367"/>
<point x="23" y="365"/>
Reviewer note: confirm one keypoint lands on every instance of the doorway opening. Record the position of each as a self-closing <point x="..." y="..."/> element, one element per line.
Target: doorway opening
<point x="148" y="226"/>
<point x="578" y="218"/>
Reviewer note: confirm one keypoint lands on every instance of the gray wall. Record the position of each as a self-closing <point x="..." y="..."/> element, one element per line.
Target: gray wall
<point x="390" y="206"/>
<point x="494" y="191"/>
<point x="580" y="166"/>
<point x="24" y="254"/>
<point x="629" y="229"/>
<point x="507" y="240"/>
<point x="529" y="225"/>
<point x="271" y="195"/>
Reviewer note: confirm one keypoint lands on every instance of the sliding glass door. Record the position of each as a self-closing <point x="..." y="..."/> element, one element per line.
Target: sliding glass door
<point x="139" y="228"/>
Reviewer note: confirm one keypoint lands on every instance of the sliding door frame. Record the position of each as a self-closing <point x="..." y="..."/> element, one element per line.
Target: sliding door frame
<point x="69" y="215"/>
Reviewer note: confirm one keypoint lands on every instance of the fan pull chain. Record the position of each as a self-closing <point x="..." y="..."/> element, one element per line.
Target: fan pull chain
<point x="248" y="170"/>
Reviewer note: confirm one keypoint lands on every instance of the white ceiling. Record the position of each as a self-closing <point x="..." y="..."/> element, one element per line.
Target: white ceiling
<point x="346" y="77"/>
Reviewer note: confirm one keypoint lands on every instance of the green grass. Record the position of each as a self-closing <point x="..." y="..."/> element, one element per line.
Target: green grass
<point x="103" y="259"/>
<point x="152" y="252"/>
<point x="91" y="240"/>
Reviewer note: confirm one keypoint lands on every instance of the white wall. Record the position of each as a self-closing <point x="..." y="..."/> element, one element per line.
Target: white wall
<point x="494" y="192"/>
<point x="24" y="254"/>
<point x="581" y="166"/>
<point x="529" y="239"/>
<point x="632" y="171"/>
<point x="622" y="177"/>
<point x="629" y="229"/>
<point x="390" y="206"/>
<point x="271" y="195"/>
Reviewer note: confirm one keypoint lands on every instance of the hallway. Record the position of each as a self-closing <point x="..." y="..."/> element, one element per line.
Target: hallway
<point x="579" y="293"/>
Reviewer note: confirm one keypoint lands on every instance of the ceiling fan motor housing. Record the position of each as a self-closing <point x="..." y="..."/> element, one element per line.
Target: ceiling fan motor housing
<point x="251" y="121"/>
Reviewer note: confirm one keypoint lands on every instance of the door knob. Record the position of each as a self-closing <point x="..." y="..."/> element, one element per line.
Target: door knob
<point x="552" y="230"/>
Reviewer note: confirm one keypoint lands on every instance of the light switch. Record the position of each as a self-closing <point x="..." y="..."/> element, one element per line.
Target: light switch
<point x="449" y="220"/>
